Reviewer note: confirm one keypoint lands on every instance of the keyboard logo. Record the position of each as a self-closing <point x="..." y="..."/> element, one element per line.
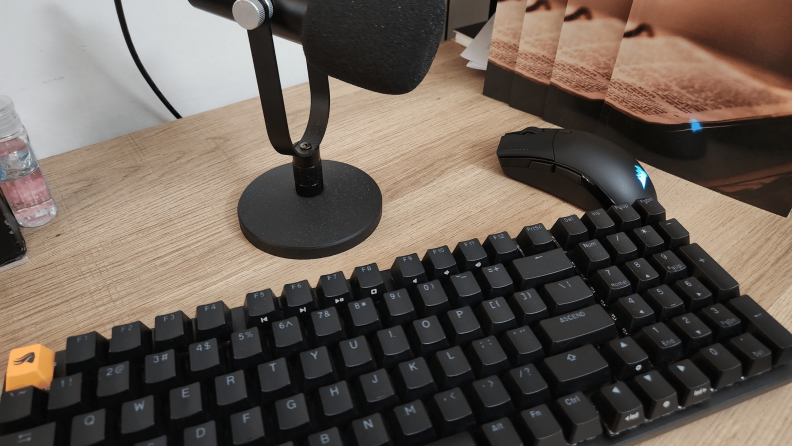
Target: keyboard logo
<point x="641" y="175"/>
<point x="30" y="357"/>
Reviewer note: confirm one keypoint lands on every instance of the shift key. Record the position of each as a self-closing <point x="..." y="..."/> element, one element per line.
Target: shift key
<point x="590" y="325"/>
<point x="539" y="269"/>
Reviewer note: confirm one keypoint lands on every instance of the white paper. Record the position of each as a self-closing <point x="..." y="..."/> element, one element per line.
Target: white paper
<point x="478" y="50"/>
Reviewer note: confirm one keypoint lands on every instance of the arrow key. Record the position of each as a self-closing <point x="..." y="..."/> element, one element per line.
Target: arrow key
<point x="626" y="358"/>
<point x="619" y="408"/>
<point x="657" y="395"/>
<point x="691" y="384"/>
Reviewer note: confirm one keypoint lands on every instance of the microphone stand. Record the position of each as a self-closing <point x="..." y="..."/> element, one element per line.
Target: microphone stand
<point x="312" y="209"/>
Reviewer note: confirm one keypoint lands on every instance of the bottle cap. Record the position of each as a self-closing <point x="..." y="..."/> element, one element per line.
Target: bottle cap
<point x="9" y="120"/>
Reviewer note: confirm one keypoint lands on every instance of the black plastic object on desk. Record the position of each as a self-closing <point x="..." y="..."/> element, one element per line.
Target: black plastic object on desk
<point x="12" y="245"/>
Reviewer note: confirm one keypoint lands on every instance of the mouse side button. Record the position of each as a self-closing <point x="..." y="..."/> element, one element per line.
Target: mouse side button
<point x="539" y="165"/>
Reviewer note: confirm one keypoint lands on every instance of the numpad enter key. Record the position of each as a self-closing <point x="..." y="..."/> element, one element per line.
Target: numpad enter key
<point x="617" y="329"/>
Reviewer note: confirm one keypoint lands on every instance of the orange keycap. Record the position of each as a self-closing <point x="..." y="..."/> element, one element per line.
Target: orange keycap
<point x="30" y="366"/>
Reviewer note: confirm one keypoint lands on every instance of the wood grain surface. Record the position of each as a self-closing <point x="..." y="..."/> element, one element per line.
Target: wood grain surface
<point x="147" y="222"/>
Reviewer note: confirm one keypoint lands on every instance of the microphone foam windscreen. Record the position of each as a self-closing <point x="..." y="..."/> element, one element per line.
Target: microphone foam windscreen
<point x="385" y="46"/>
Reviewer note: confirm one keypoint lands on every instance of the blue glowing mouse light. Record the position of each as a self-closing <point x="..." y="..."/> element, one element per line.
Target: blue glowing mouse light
<point x="641" y="175"/>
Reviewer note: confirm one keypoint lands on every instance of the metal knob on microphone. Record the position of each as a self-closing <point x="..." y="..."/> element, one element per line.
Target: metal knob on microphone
<point x="250" y="14"/>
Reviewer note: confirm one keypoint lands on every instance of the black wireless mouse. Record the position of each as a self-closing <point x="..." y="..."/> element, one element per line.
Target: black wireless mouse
<point x="579" y="167"/>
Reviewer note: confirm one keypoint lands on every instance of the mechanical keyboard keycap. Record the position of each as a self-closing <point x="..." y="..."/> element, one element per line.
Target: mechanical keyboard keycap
<point x="669" y="266"/>
<point x="86" y="353"/>
<point x="173" y="331"/>
<point x="693" y="332"/>
<point x="367" y="281"/>
<point x="632" y="313"/>
<point x="579" y="369"/>
<point x="130" y="342"/>
<point x="650" y="210"/>
<point x="536" y="270"/>
<point x="392" y="346"/>
<point x="598" y="223"/>
<point x="453" y="368"/>
<point x="205" y="360"/>
<point x="463" y="289"/>
<point x="333" y="289"/>
<point x="501" y="248"/>
<point x="21" y="408"/>
<point x="292" y="416"/>
<point x="489" y="398"/>
<point x="317" y="368"/>
<point x="408" y="271"/>
<point x="567" y="295"/>
<point x="38" y="436"/>
<point x="297" y="299"/>
<point x="470" y="255"/>
<point x="363" y="317"/>
<point x="693" y="293"/>
<point x="626" y="358"/>
<point x="620" y="248"/>
<point x="159" y="441"/>
<point x="611" y="284"/>
<point x="665" y="303"/>
<point x="247" y="427"/>
<point x="590" y="325"/>
<point x="501" y="433"/>
<point x="212" y="321"/>
<point x="535" y="239"/>
<point x="528" y="307"/>
<point x="590" y="256"/>
<point x="754" y="355"/>
<point x="722" y="321"/>
<point x="662" y="345"/>
<point x="93" y="428"/>
<point x="431" y="299"/>
<point x="495" y="281"/>
<point x="578" y="416"/>
<point x="569" y="231"/>
<point x="276" y="380"/>
<point x="247" y="349"/>
<point x="67" y="396"/>
<point x="413" y="380"/>
<point x="496" y="316"/>
<point x="648" y="241"/>
<point x="188" y="406"/>
<point x="706" y="269"/>
<point x="115" y="384"/>
<point x="526" y="386"/>
<point x="411" y="424"/>
<point x="487" y="357"/>
<point x="641" y="274"/>
<point x="377" y="391"/>
<point x="521" y="346"/>
<point x="336" y="404"/>
<point x="657" y="395"/>
<point x="161" y="371"/>
<point x="261" y="308"/>
<point x="691" y="384"/>
<point x="355" y="358"/>
<point x="541" y="427"/>
<point x="624" y="216"/>
<point x="619" y="407"/>
<point x="139" y="420"/>
<point x="452" y="412"/>
<point x="428" y="336"/>
<point x="762" y="325"/>
<point x="288" y="337"/>
<point x="330" y="437"/>
<point x="462" y="326"/>
<point x="397" y="308"/>
<point x="232" y="392"/>
<point x="201" y="435"/>
<point x="674" y="234"/>
<point x="439" y="263"/>
<point x="326" y="325"/>
<point x="370" y="431"/>
<point x="719" y="364"/>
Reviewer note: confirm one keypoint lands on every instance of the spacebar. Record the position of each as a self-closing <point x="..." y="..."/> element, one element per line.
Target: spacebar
<point x="590" y="325"/>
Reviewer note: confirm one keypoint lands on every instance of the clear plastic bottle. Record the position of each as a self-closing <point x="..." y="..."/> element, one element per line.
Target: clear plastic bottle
<point x="21" y="178"/>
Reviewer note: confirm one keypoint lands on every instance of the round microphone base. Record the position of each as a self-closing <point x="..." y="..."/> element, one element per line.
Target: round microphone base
<point x="278" y="221"/>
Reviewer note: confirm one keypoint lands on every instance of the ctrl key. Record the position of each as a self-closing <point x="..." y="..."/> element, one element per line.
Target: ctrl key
<point x="541" y="427"/>
<point x="579" y="417"/>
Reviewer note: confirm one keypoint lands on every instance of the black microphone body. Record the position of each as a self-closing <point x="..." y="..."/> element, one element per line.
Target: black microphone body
<point x="386" y="46"/>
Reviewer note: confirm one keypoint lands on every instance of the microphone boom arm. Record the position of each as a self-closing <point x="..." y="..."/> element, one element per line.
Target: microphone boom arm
<point x="307" y="164"/>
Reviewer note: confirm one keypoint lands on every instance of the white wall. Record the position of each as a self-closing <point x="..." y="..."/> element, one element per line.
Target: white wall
<point x="67" y="68"/>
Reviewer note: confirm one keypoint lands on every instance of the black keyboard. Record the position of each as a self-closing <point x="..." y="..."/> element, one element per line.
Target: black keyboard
<point x="607" y="329"/>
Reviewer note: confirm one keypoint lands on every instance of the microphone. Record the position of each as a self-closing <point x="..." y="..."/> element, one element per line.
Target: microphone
<point x="386" y="46"/>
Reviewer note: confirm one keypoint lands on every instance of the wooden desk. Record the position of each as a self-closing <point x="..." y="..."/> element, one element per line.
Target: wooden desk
<point x="147" y="222"/>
